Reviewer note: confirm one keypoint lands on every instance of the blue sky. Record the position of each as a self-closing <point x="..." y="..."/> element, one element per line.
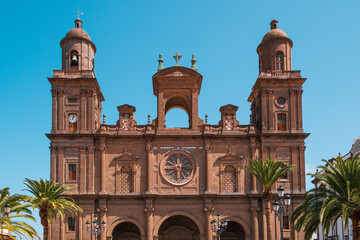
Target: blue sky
<point x="129" y="35"/>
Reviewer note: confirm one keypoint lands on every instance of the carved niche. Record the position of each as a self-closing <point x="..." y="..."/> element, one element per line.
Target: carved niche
<point x="232" y="173"/>
<point x="125" y="174"/>
<point x="126" y="117"/>
<point x="228" y="120"/>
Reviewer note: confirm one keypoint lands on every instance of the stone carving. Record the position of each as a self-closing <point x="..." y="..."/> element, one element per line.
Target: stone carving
<point x="229" y="122"/>
<point x="126" y="122"/>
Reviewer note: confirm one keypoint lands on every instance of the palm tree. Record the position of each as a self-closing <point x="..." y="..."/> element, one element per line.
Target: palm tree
<point x="9" y="224"/>
<point x="338" y="196"/>
<point x="268" y="173"/>
<point x="49" y="198"/>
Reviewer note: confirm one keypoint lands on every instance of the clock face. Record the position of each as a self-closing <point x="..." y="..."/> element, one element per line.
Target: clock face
<point x="73" y="118"/>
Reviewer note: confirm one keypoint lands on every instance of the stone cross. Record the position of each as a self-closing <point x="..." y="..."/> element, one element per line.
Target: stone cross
<point x="177" y="57"/>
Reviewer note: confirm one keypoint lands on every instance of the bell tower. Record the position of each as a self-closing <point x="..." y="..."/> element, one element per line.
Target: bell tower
<point x="177" y="87"/>
<point x="76" y="95"/>
<point x="276" y="97"/>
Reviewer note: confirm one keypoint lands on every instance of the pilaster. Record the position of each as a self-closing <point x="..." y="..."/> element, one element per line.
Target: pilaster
<point x="82" y="168"/>
<point x="102" y="149"/>
<point x="150" y="166"/>
<point x="208" y="165"/>
<point x="149" y="210"/>
<point x="91" y="170"/>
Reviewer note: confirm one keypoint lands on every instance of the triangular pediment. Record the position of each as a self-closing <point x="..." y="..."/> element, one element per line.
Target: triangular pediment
<point x="231" y="156"/>
<point x="177" y="71"/>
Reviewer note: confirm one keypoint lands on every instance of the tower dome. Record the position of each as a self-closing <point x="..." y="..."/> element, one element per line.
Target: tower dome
<point x="275" y="50"/>
<point x="78" y="31"/>
<point x="77" y="49"/>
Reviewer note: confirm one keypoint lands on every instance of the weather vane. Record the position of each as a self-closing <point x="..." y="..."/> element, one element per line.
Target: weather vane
<point x="78" y="14"/>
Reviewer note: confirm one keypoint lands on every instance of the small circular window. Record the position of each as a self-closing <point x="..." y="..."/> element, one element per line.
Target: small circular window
<point x="177" y="169"/>
<point x="280" y="101"/>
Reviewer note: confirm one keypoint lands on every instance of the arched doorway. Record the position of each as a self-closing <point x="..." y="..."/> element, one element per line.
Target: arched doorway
<point x="126" y="231"/>
<point x="234" y="231"/>
<point x="178" y="228"/>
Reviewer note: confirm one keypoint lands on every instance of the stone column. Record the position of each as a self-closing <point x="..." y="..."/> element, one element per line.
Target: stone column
<point x="82" y="168"/>
<point x="302" y="168"/>
<point x="254" y="217"/>
<point x="90" y="112"/>
<point x="271" y="109"/>
<point x="54" y="110"/>
<point x="292" y="110"/>
<point x="150" y="166"/>
<point x="103" y="214"/>
<point x="61" y="110"/>
<point x="53" y="163"/>
<point x="299" y="102"/>
<point x="295" y="173"/>
<point x="103" y="166"/>
<point x="61" y="164"/>
<point x="149" y="210"/>
<point x="80" y="225"/>
<point x="161" y="110"/>
<point x="264" y="110"/>
<point x="208" y="209"/>
<point x="91" y="170"/>
<point x="82" y="110"/>
<point x="208" y="165"/>
<point x="194" y="109"/>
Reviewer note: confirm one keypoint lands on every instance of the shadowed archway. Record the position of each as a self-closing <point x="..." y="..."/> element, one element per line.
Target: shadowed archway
<point x="126" y="231"/>
<point x="234" y="231"/>
<point x="178" y="228"/>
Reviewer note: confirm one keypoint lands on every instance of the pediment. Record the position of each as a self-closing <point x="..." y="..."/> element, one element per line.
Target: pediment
<point x="177" y="71"/>
<point x="126" y="157"/>
<point x="231" y="156"/>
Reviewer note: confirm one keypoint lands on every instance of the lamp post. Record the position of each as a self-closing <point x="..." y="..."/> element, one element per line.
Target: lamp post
<point x="281" y="206"/>
<point x="218" y="226"/>
<point x="96" y="231"/>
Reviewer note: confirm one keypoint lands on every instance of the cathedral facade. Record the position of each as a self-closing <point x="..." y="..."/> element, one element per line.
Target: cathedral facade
<point x="151" y="182"/>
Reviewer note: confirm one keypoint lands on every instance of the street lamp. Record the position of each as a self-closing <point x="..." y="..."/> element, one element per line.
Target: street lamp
<point x="96" y="231"/>
<point x="281" y="206"/>
<point x="218" y="226"/>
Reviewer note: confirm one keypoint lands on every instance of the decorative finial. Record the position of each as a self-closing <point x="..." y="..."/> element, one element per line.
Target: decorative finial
<point x="177" y="57"/>
<point x="148" y="118"/>
<point x="104" y="119"/>
<point x="193" y="62"/>
<point x="339" y="154"/>
<point x="78" y="13"/>
<point x="161" y="65"/>
<point x="206" y="119"/>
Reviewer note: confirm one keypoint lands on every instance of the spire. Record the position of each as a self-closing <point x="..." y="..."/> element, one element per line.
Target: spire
<point x="193" y="62"/>
<point x="161" y="65"/>
<point x="177" y="57"/>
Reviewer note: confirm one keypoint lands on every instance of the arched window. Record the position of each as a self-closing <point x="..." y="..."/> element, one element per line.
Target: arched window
<point x="279" y="61"/>
<point x="229" y="179"/>
<point x="74" y="60"/>
<point x="126" y="180"/>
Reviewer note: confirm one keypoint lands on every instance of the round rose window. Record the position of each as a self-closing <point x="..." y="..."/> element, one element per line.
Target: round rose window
<point x="177" y="169"/>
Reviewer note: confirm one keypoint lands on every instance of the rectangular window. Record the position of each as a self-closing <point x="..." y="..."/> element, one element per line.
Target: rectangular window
<point x="286" y="222"/>
<point x="72" y="126"/>
<point x="72" y="172"/>
<point x="281" y="122"/>
<point x="71" y="224"/>
<point x="72" y="100"/>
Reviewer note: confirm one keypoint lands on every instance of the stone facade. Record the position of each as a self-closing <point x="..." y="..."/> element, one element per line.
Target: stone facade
<point x="153" y="182"/>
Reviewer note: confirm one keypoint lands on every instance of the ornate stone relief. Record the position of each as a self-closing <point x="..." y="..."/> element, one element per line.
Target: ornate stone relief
<point x="229" y="122"/>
